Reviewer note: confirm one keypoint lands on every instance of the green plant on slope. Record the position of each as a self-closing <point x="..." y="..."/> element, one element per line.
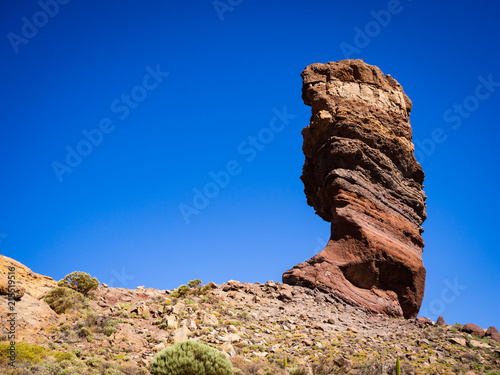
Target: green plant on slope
<point x="62" y="300"/>
<point x="299" y="371"/>
<point x="181" y="291"/>
<point x="194" y="283"/>
<point x="190" y="358"/>
<point x="80" y="281"/>
<point x="398" y="367"/>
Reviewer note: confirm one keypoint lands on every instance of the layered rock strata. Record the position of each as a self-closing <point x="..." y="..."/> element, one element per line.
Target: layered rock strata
<point x="360" y="174"/>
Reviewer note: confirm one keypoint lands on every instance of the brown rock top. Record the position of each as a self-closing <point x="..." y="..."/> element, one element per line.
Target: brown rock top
<point x="33" y="283"/>
<point x="360" y="174"/>
<point x="32" y="315"/>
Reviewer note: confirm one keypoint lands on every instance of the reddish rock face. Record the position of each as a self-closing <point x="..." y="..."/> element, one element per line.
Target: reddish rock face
<point x="361" y="175"/>
<point x="474" y="329"/>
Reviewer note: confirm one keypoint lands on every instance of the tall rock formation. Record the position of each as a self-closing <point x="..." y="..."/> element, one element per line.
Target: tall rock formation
<point x="361" y="175"/>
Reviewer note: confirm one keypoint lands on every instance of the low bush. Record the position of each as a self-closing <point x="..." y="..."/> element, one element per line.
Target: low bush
<point x="181" y="291"/>
<point x="62" y="300"/>
<point x="80" y="281"/>
<point x="191" y="358"/>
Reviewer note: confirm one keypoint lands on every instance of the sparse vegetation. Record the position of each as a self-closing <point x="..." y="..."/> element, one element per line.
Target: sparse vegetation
<point x="80" y="281"/>
<point x="63" y="300"/>
<point x="101" y="336"/>
<point x="299" y="371"/>
<point x="190" y="357"/>
<point x="194" y="284"/>
<point x="181" y="291"/>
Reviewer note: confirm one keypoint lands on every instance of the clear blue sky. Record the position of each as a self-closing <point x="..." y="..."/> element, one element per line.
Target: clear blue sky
<point x="170" y="92"/>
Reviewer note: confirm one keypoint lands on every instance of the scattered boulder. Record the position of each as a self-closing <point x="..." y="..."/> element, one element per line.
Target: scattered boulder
<point x="231" y="285"/>
<point x="491" y="330"/>
<point x="493" y="333"/>
<point x="181" y="334"/>
<point x="474" y="329"/>
<point x="159" y="347"/>
<point x="228" y="349"/>
<point x="15" y="290"/>
<point x="208" y="319"/>
<point x="458" y="340"/>
<point x="141" y="309"/>
<point x="478" y="344"/>
<point x="423" y="320"/>
<point x="440" y="321"/>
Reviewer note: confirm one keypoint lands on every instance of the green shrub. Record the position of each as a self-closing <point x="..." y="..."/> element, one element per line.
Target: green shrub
<point x="110" y="326"/>
<point x="398" y="366"/>
<point x="63" y="356"/>
<point x="24" y="352"/>
<point x="206" y="288"/>
<point x="190" y="358"/>
<point x="62" y="300"/>
<point x="299" y="371"/>
<point x="80" y="281"/>
<point x="181" y="291"/>
<point x="194" y="283"/>
<point x="84" y="332"/>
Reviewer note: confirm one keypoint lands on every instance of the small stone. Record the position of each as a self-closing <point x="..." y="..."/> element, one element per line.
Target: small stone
<point x="319" y="299"/>
<point x="209" y="319"/>
<point x="423" y="320"/>
<point x="231" y="285"/>
<point x="16" y="290"/>
<point x="159" y="347"/>
<point x="228" y="349"/>
<point x="285" y="295"/>
<point x="171" y="321"/>
<point x="260" y="354"/>
<point x="191" y="324"/>
<point x="352" y="329"/>
<point x="181" y="334"/>
<point x="458" y="340"/>
<point x="478" y="344"/>
<point x="231" y="337"/>
<point x="270" y="284"/>
<point x="307" y="342"/>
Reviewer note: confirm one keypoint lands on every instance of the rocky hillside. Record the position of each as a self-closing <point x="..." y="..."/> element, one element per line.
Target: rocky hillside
<point x="266" y="328"/>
